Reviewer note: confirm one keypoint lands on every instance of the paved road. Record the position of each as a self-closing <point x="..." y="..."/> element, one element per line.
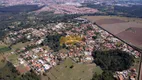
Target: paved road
<point x="140" y="77"/>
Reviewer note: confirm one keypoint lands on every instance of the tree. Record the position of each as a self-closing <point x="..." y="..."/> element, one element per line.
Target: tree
<point x="94" y="37"/>
<point x="113" y="60"/>
<point x="106" y="75"/>
<point x="53" y="42"/>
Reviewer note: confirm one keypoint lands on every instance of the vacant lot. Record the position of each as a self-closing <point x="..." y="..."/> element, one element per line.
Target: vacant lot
<point x="68" y="70"/>
<point x="96" y="18"/>
<point x="133" y="35"/>
<point x="109" y="21"/>
<point x="20" y="45"/>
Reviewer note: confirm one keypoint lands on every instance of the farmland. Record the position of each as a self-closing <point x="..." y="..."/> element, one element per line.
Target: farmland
<point x="97" y="18"/>
<point x="128" y="29"/>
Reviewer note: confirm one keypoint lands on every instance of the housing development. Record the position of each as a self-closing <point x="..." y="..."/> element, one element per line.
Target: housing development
<point x="70" y="40"/>
<point x="81" y="39"/>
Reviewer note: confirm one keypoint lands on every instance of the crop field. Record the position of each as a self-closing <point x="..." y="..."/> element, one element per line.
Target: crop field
<point x="128" y="29"/>
<point x="126" y="19"/>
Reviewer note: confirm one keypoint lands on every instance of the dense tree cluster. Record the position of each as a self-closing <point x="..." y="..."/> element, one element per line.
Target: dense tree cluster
<point x="53" y="41"/>
<point x="106" y="75"/>
<point x="29" y="76"/>
<point x="113" y="60"/>
<point x="9" y="72"/>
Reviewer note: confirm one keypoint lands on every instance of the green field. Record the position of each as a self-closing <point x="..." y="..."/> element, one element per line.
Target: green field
<point x="19" y="45"/>
<point x="13" y="58"/>
<point x="4" y="51"/>
<point x="77" y="72"/>
<point x="3" y="47"/>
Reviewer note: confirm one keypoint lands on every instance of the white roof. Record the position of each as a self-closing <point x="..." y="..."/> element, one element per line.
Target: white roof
<point x="46" y="66"/>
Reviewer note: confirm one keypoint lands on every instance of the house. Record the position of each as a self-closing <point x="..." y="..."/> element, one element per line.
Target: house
<point x="120" y="77"/>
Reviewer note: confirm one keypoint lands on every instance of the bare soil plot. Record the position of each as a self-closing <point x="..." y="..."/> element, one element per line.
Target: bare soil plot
<point x="114" y="25"/>
<point x="96" y="18"/>
<point x="20" y="45"/>
<point x="109" y="21"/>
<point x="120" y="27"/>
<point x="132" y="35"/>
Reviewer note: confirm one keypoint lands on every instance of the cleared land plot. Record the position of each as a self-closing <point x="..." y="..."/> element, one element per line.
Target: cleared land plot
<point x="77" y="72"/>
<point x="120" y="27"/>
<point x="109" y="21"/>
<point x="97" y="18"/>
<point x="20" y="45"/>
<point x="132" y="35"/>
<point x="114" y="25"/>
<point x="130" y="32"/>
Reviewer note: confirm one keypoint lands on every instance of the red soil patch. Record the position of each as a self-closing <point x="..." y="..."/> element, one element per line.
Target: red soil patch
<point x="109" y="21"/>
<point x="132" y="35"/>
<point x="120" y="27"/>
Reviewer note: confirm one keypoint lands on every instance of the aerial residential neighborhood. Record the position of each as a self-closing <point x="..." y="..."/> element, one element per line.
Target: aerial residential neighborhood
<point x="41" y="58"/>
<point x="70" y="40"/>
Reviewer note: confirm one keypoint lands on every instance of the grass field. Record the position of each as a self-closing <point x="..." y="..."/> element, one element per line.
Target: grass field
<point x="3" y="47"/>
<point x="136" y="64"/>
<point x="2" y="44"/>
<point x="13" y="58"/>
<point x="19" y="45"/>
<point x="68" y="70"/>
<point x="5" y="51"/>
